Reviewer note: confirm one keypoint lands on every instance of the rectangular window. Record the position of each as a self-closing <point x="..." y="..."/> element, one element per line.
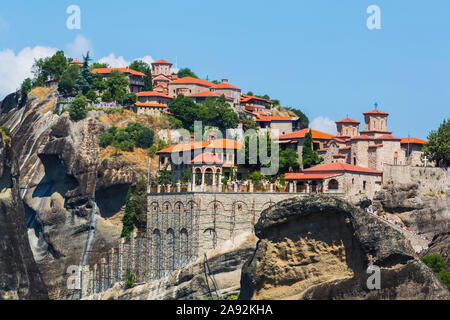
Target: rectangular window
<point x="364" y="185"/>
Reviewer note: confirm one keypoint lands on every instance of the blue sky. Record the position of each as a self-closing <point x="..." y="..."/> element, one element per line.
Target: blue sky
<point x="315" y="55"/>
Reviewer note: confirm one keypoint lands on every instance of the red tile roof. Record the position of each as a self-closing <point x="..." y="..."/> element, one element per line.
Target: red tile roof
<point x="124" y="70"/>
<point x="206" y="158"/>
<point x="161" y="78"/>
<point x="363" y="137"/>
<point x="413" y="140"/>
<point x="303" y="176"/>
<point x="206" y="94"/>
<point x="271" y="118"/>
<point x="215" y="144"/>
<point x="152" y="94"/>
<point x="376" y="146"/>
<point x="225" y="85"/>
<point x="76" y="62"/>
<point x="153" y="105"/>
<point x="301" y="134"/>
<point x="161" y="62"/>
<point x="345" y="148"/>
<point x="376" y="112"/>
<point x="190" y="80"/>
<point x="340" y="167"/>
<point x="246" y="98"/>
<point x="347" y="120"/>
<point x="388" y="137"/>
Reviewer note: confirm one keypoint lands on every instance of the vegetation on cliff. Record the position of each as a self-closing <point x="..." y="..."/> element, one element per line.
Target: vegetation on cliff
<point x="135" y="208"/>
<point x="436" y="263"/>
<point x="136" y="134"/>
<point x="438" y="146"/>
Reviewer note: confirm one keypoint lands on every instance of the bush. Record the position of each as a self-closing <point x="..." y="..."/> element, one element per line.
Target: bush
<point x="444" y="275"/>
<point x="435" y="262"/>
<point x="152" y="151"/>
<point x="135" y="134"/>
<point x="130" y="280"/>
<point x="77" y="109"/>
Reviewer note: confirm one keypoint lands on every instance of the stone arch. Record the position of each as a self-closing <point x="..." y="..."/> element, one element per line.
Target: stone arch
<point x="239" y="217"/>
<point x="185" y="254"/>
<point x="167" y="207"/>
<point x="178" y="207"/>
<point x="154" y="207"/>
<point x="157" y="254"/>
<point x="170" y="247"/>
<point x="333" y="185"/>
<point x="209" y="239"/>
<point x="267" y="205"/>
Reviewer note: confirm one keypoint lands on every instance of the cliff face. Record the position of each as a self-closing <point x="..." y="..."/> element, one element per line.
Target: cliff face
<point x="321" y="247"/>
<point x="65" y="186"/>
<point x="428" y="215"/>
<point x="19" y="275"/>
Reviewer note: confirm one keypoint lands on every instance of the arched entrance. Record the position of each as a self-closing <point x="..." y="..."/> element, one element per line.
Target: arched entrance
<point x="333" y="185"/>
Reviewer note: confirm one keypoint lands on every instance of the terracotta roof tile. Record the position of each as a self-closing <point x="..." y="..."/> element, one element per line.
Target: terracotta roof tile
<point x="413" y="140"/>
<point x="161" y="62"/>
<point x="304" y="176"/>
<point x="208" y="158"/>
<point x="153" y="105"/>
<point x="376" y="111"/>
<point x="388" y="137"/>
<point x="348" y="120"/>
<point x="152" y="94"/>
<point x="124" y="70"/>
<point x="190" y="80"/>
<point x="339" y="167"/>
<point x="216" y="144"/>
<point x="301" y="134"/>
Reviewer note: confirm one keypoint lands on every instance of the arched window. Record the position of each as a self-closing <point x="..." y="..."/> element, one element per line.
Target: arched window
<point x="171" y="263"/>
<point x="210" y="239"/>
<point x="333" y="185"/>
<point x="184" y="248"/>
<point x="157" y="257"/>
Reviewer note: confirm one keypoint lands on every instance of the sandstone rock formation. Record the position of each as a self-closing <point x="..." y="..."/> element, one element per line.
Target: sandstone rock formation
<point x="68" y="191"/>
<point x="427" y="215"/>
<point x="19" y="275"/>
<point x="321" y="247"/>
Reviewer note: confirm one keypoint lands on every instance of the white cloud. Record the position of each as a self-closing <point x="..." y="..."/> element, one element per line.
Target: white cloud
<point x="115" y="62"/>
<point x="323" y="124"/>
<point x="79" y="47"/>
<point x="15" y="68"/>
<point x="121" y="62"/>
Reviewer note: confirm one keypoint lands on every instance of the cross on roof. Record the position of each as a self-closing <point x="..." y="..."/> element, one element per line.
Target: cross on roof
<point x="376" y="105"/>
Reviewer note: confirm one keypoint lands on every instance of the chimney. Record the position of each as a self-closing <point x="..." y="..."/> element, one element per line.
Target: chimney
<point x="224" y="80"/>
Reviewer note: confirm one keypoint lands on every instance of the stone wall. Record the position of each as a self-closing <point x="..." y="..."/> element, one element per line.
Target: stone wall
<point x="435" y="180"/>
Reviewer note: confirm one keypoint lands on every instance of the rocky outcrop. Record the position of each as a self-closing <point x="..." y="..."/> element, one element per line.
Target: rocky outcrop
<point x="61" y="176"/>
<point x="321" y="247"/>
<point x="440" y="245"/>
<point x="19" y="274"/>
<point x="427" y="215"/>
<point x="195" y="281"/>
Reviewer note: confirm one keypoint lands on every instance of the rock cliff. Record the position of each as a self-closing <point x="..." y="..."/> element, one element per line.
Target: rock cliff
<point x="72" y="196"/>
<point x="321" y="247"/>
<point x="19" y="274"/>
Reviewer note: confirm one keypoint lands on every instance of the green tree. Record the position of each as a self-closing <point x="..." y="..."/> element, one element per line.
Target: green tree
<point x="309" y="156"/>
<point x="107" y="96"/>
<point x="91" y="95"/>
<point x="99" y="83"/>
<point x="186" y="72"/>
<point x="249" y="123"/>
<point x="164" y="176"/>
<point x="85" y="81"/>
<point x="77" y="109"/>
<point x="67" y="83"/>
<point x="152" y="151"/>
<point x="130" y="99"/>
<point x="438" y="146"/>
<point x="135" y="208"/>
<point x="49" y="68"/>
<point x="288" y="159"/>
<point x="141" y="66"/>
<point x="128" y="217"/>
<point x="186" y="176"/>
<point x="435" y="262"/>
<point x="304" y="121"/>
<point x="130" y="279"/>
<point x="256" y="178"/>
<point x="117" y="84"/>
<point x="107" y="138"/>
<point x="25" y="89"/>
<point x="142" y="135"/>
<point x="98" y="65"/>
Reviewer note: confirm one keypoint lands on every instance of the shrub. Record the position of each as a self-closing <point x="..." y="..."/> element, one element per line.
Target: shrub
<point x="435" y="262"/>
<point x="130" y="280"/>
<point x="77" y="109"/>
<point x="152" y="151"/>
